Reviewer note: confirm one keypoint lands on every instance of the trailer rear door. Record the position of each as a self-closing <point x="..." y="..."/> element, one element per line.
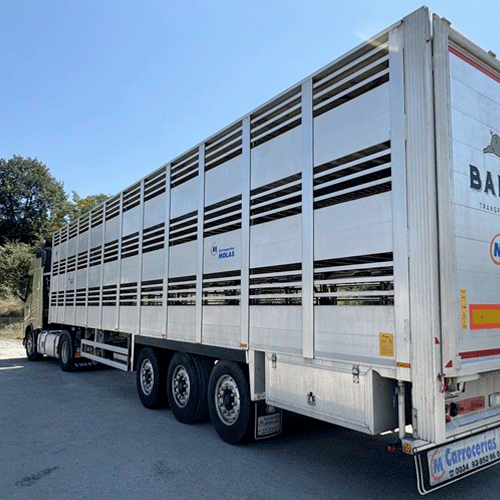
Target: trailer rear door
<point x="470" y="241"/>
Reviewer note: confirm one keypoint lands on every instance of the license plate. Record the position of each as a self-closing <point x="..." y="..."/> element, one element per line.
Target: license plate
<point x="268" y="426"/>
<point x="455" y="460"/>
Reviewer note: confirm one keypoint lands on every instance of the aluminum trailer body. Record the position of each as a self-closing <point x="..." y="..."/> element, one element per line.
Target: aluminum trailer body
<point x="339" y="244"/>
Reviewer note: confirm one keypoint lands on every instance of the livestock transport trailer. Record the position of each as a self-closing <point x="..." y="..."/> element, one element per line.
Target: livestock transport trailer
<point x="335" y="253"/>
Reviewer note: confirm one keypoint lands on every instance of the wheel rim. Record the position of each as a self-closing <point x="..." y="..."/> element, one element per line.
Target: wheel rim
<point x="147" y="377"/>
<point x="30" y="344"/>
<point x="181" y="386"/>
<point x="227" y="400"/>
<point x="65" y="355"/>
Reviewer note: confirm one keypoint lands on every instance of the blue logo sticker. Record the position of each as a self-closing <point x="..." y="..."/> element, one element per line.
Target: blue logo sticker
<point x="221" y="253"/>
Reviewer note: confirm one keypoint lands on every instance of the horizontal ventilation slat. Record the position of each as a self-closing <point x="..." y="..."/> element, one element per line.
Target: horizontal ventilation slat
<point x="351" y="77"/>
<point x="73" y="229"/>
<point x="113" y="208"/>
<point x="354" y="193"/>
<point x="351" y="92"/>
<point x="182" y="291"/>
<point x="275" y="118"/>
<point x="222" y="289"/>
<point x="71" y="264"/>
<point x="95" y="256"/>
<point x="152" y="293"/>
<point x="222" y="217"/>
<point x="70" y="298"/>
<point x="275" y="108"/>
<point x="84" y="224"/>
<point x="111" y="251"/>
<point x="358" y="175"/>
<point x="80" y="297"/>
<point x="184" y="169"/>
<point x="276" y="285"/>
<point x="282" y="120"/>
<point x="62" y="266"/>
<point x="96" y="217"/>
<point x="355" y="280"/>
<point x="155" y="185"/>
<point x="109" y="295"/>
<point x="128" y="294"/>
<point x="130" y="245"/>
<point x="352" y="70"/>
<point x="183" y="229"/>
<point x="224" y="147"/>
<point x="131" y="198"/>
<point x="153" y="238"/>
<point x="276" y="200"/>
<point x="93" y="296"/>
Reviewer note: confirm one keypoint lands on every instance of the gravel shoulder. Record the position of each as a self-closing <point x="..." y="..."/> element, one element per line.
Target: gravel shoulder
<point x="11" y="349"/>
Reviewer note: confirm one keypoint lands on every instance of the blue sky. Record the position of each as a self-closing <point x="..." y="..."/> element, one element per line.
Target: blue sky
<point x="104" y="92"/>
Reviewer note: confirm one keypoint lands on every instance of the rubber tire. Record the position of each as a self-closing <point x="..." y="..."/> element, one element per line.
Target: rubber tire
<point x="31" y="353"/>
<point x="154" y="398"/>
<point x="242" y="429"/>
<point x="198" y="372"/>
<point x="66" y="343"/>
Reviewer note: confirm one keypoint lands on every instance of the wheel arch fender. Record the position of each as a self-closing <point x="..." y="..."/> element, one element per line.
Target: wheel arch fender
<point x="163" y="355"/>
<point x="27" y="329"/>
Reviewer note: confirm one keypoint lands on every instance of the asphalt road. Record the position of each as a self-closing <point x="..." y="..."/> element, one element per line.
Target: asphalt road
<point x="85" y="435"/>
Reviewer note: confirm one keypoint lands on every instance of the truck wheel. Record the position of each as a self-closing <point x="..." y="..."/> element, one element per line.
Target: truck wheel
<point x="66" y="354"/>
<point x="187" y="384"/>
<point x="31" y="352"/>
<point x="150" y="383"/>
<point x="229" y="403"/>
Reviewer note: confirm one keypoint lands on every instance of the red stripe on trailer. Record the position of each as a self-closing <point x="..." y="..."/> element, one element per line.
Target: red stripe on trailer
<point x="473" y="63"/>
<point x="480" y="354"/>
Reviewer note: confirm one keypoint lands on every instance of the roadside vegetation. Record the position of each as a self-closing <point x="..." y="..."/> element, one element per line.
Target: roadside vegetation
<point x="11" y="317"/>
<point x="33" y="205"/>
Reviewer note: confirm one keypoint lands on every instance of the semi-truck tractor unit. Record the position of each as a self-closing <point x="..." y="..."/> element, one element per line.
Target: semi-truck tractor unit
<point x="334" y="253"/>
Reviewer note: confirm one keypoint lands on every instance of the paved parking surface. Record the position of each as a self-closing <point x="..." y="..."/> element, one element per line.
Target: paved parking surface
<point x="85" y="435"/>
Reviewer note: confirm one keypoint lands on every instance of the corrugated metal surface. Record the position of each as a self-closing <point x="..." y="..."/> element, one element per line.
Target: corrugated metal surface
<point x="308" y="228"/>
<point x="241" y="240"/>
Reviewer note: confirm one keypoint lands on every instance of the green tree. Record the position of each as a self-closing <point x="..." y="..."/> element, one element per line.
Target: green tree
<point x="80" y="206"/>
<point x="15" y="259"/>
<point x="32" y="203"/>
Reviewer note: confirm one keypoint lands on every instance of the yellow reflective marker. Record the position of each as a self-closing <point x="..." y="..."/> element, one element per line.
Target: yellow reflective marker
<point x="463" y="309"/>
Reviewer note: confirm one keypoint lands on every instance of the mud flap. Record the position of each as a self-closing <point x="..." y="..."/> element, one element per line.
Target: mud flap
<point x="267" y="424"/>
<point x="444" y="464"/>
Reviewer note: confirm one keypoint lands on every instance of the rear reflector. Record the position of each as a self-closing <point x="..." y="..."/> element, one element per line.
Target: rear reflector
<point x="484" y="316"/>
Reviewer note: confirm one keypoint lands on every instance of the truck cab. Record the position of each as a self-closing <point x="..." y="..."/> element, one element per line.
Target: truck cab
<point x="33" y="290"/>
